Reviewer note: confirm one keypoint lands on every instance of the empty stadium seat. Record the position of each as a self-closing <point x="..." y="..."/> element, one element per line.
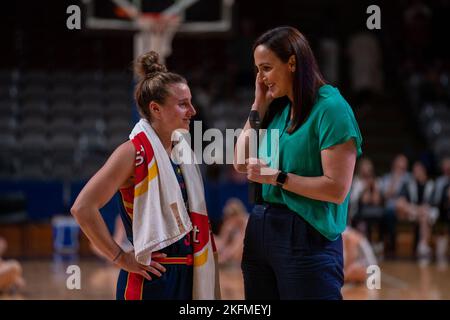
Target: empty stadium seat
<point x="31" y="160"/>
<point x="35" y="77"/>
<point x="62" y="92"/>
<point x="33" y="171"/>
<point x="93" y="109"/>
<point x="33" y="91"/>
<point x="91" y="124"/>
<point x="33" y="125"/>
<point x="33" y="108"/>
<point x="7" y="106"/>
<point x="63" y="108"/>
<point x="119" y="125"/>
<point x="8" y="125"/>
<point x="63" y="171"/>
<point x="91" y="164"/>
<point x="62" y="141"/>
<point x="33" y="143"/>
<point x="62" y="124"/>
<point x="88" y="78"/>
<point x="118" y="109"/>
<point x="57" y="118"/>
<point x="8" y="164"/>
<point x="61" y="163"/>
<point x="62" y="77"/>
<point x="116" y="139"/>
<point x="118" y="78"/>
<point x="8" y="142"/>
<point x="89" y="93"/>
<point x="118" y="93"/>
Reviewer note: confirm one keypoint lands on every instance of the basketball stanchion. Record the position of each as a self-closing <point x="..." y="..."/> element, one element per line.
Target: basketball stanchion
<point x="157" y="32"/>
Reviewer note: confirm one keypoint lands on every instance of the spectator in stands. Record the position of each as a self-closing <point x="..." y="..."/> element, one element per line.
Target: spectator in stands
<point x="391" y="185"/>
<point x="415" y="204"/>
<point x="10" y="272"/>
<point x="392" y="182"/>
<point x="442" y="201"/>
<point x="358" y="255"/>
<point x="231" y="235"/>
<point x="366" y="200"/>
<point x="442" y="181"/>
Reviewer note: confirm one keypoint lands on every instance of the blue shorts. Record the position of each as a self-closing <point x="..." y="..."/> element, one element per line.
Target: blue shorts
<point x="174" y="284"/>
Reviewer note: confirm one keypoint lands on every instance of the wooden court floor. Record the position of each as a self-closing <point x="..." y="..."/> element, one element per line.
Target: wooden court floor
<point x="46" y="279"/>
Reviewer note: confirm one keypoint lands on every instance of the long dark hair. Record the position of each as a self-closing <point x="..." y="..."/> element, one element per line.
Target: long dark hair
<point x="286" y="41"/>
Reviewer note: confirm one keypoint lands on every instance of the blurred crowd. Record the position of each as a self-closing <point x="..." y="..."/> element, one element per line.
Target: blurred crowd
<point x="403" y="196"/>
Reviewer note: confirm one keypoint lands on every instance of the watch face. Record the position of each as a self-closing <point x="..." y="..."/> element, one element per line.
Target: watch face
<point x="281" y="178"/>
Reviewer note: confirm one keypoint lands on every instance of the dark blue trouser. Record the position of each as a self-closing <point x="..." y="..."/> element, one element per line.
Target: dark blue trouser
<point x="286" y="258"/>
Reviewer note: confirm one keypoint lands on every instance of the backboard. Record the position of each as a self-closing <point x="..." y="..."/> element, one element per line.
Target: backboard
<point x="197" y="16"/>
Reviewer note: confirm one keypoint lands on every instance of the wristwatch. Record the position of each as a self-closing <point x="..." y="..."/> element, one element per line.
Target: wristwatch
<point x="281" y="178"/>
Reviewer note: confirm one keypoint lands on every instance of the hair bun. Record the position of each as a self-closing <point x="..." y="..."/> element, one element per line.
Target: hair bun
<point x="148" y="65"/>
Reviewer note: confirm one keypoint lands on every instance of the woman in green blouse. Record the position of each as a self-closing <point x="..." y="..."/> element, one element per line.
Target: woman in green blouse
<point x="293" y="244"/>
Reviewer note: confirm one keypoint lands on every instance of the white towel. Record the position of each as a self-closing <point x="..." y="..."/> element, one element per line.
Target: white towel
<point x="160" y="217"/>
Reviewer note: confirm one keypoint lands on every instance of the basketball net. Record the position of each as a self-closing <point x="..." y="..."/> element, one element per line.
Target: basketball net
<point x="157" y="32"/>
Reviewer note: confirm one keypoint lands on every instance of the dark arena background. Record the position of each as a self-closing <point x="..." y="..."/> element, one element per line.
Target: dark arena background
<point x="66" y="102"/>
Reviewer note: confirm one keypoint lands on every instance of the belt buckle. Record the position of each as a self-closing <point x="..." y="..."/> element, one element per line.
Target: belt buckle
<point x="189" y="260"/>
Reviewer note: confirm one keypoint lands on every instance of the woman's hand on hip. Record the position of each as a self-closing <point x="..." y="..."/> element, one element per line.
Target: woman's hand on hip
<point x="128" y="262"/>
<point x="258" y="171"/>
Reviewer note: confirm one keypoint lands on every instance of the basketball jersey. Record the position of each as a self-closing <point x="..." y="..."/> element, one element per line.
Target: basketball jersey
<point x="176" y="282"/>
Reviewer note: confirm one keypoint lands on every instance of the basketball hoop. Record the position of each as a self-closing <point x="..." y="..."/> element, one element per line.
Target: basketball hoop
<point x="157" y="32"/>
